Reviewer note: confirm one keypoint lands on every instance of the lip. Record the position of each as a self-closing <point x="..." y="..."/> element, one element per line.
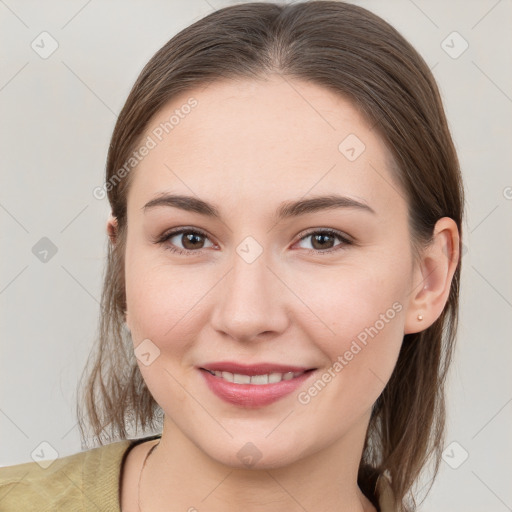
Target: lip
<point x="252" y="369"/>
<point x="253" y="395"/>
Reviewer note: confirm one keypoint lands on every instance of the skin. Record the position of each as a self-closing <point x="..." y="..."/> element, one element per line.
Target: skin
<point x="246" y="147"/>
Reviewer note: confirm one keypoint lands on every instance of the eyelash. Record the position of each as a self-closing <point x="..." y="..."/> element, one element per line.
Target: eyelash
<point x="186" y="252"/>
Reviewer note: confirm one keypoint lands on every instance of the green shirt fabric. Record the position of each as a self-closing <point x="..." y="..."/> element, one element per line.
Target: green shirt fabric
<point x="88" y="481"/>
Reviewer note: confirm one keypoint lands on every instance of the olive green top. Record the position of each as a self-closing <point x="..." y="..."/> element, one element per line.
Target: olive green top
<point x="87" y="481"/>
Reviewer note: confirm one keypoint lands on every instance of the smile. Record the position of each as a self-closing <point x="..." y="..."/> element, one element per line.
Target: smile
<point x="253" y="391"/>
<point x="269" y="378"/>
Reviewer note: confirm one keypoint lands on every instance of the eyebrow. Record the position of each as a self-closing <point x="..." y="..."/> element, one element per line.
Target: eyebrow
<point x="287" y="209"/>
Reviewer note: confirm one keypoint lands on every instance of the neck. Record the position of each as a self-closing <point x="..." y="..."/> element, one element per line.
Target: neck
<point x="180" y="476"/>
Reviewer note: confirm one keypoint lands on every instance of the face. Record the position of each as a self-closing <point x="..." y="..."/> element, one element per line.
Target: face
<point x="324" y="289"/>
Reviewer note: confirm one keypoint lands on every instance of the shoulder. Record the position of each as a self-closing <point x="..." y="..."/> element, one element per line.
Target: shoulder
<point x="87" y="480"/>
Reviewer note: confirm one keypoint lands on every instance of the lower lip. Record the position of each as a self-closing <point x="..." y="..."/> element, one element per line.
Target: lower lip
<point x="253" y="395"/>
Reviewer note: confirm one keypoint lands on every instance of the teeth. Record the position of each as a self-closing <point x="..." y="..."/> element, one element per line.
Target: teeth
<point x="275" y="377"/>
<point x="259" y="379"/>
<point x="272" y="378"/>
<point x="225" y="375"/>
<point x="239" y="379"/>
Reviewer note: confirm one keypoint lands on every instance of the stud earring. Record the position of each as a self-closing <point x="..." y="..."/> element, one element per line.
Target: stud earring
<point x="420" y="317"/>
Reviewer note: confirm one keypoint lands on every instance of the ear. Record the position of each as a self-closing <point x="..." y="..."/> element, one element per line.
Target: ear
<point x="112" y="228"/>
<point x="433" y="277"/>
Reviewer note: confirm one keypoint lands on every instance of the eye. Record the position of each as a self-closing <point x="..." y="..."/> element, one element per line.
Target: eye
<point x="192" y="241"/>
<point x="322" y="241"/>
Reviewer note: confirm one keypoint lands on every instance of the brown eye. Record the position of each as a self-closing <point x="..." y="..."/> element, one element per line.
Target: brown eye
<point x="191" y="241"/>
<point x="322" y="240"/>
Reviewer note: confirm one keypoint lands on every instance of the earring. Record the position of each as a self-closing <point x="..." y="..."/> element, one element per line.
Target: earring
<point x="420" y="317"/>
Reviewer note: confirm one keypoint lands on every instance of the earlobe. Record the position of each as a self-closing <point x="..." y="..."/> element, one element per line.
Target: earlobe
<point x="433" y="277"/>
<point x="112" y="228"/>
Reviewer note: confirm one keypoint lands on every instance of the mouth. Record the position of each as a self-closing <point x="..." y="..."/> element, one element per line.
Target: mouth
<point x="256" y="385"/>
<point x="256" y="379"/>
<point x="258" y="374"/>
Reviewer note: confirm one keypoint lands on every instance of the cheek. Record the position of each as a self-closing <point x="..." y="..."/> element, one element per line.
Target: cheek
<point x="360" y="331"/>
<point x="164" y="301"/>
<point x="357" y="315"/>
<point x="342" y="302"/>
<point x="164" y="307"/>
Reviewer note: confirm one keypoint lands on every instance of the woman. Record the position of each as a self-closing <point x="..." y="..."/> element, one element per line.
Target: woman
<point x="282" y="279"/>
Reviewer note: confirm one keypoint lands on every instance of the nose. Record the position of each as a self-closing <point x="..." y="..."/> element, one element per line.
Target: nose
<point x="250" y="302"/>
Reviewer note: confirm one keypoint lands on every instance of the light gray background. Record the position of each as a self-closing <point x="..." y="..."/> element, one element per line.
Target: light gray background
<point x="57" y="118"/>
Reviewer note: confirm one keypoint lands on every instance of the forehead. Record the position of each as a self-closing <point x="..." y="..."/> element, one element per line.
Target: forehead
<point x="272" y="139"/>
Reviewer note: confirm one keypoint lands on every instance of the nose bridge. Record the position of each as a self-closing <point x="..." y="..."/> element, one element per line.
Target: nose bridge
<point x="248" y="304"/>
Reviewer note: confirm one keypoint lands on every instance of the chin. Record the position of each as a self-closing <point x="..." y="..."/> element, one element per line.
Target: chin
<point x="254" y="455"/>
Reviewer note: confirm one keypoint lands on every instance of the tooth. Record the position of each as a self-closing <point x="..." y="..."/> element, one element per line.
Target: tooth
<point x="275" y="377"/>
<point x="259" y="379"/>
<point x="241" y="379"/>
<point x="226" y="376"/>
<point x="271" y="378"/>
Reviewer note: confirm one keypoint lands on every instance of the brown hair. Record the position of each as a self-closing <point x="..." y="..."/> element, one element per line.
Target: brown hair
<point x="355" y="53"/>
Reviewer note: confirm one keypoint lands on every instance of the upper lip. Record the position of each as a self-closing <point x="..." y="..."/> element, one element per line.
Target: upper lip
<point x="252" y="369"/>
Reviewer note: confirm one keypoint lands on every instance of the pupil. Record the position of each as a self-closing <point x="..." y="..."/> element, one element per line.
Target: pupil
<point x="317" y="237"/>
<point x="190" y="237"/>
